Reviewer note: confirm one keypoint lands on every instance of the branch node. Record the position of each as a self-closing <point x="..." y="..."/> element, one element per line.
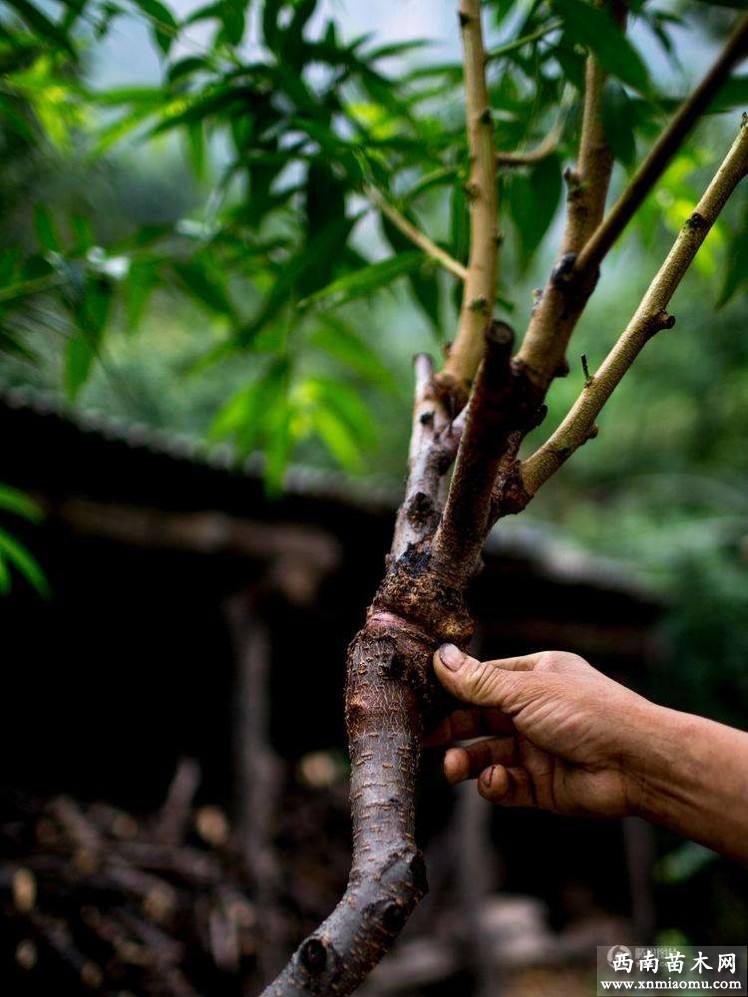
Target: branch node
<point x="313" y="954"/>
<point x="563" y="272"/>
<point x="695" y="222"/>
<point x="573" y="181"/>
<point x="479" y="304"/>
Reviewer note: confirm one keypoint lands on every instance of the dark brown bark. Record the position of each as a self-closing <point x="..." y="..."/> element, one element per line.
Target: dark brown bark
<point x="387" y="668"/>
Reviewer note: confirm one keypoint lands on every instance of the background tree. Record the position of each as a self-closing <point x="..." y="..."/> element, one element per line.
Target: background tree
<point x="306" y="134"/>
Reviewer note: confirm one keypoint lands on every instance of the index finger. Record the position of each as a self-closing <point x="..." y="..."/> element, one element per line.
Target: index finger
<point x="465" y="723"/>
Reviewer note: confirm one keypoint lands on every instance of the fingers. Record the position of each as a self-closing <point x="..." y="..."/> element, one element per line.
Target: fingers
<point x="464" y="724"/>
<point x="469" y="761"/>
<point x="508" y="786"/>
<point x="482" y="683"/>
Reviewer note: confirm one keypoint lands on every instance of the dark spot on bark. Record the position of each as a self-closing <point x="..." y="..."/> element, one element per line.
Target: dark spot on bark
<point x="416" y="560"/>
<point x="395" y="667"/>
<point x="561" y="274"/>
<point x="443" y="463"/>
<point x="427" y="419"/>
<point x="393" y="917"/>
<point x="696" y="222"/>
<point x="313" y="954"/>
<point x="510" y="496"/>
<point x="420" y="509"/>
<point x="485" y="117"/>
<point x="572" y="179"/>
<point x="464" y="19"/>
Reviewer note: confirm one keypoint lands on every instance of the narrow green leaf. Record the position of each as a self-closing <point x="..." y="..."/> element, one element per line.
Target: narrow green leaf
<point x="733" y="95"/>
<point x="15" y="501"/>
<point x="619" y="120"/>
<point x="594" y="28"/>
<point x="46" y="231"/>
<point x="39" y="22"/>
<point x="79" y="358"/>
<point x="366" y="281"/>
<point x="533" y="198"/>
<point x="164" y="24"/>
<point x="24" y="563"/>
<point x="5" y="582"/>
<point x="344" y="344"/>
<point x="338" y="438"/>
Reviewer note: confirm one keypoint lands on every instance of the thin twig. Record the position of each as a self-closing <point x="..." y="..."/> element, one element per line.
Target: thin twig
<point x="546" y="147"/>
<point x="663" y="150"/>
<point x="480" y="283"/>
<point x="650" y="317"/>
<point x="415" y="235"/>
<point x="528" y="39"/>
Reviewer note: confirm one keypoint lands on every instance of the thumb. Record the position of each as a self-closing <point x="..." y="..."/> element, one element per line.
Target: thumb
<point x="481" y="683"/>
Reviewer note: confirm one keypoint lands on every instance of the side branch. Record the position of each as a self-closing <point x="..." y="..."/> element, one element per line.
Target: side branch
<point x="546" y="147"/>
<point x="433" y="444"/>
<point x="418" y="238"/>
<point x="650" y="317"/>
<point x="502" y="407"/>
<point x="663" y="151"/>
<point x="542" y="354"/>
<point x="480" y="283"/>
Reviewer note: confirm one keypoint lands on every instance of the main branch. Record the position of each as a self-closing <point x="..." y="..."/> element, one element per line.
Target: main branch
<point x="650" y="317"/>
<point x="480" y="283"/>
<point x="542" y="354"/>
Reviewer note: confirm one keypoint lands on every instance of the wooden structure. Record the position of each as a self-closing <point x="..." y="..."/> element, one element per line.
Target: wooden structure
<point x="187" y="608"/>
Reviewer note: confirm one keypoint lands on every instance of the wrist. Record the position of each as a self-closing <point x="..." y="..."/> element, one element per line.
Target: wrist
<point x="650" y="737"/>
<point x="658" y="763"/>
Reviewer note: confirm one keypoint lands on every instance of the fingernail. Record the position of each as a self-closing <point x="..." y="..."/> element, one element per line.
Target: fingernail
<point x="451" y="656"/>
<point x="487" y="776"/>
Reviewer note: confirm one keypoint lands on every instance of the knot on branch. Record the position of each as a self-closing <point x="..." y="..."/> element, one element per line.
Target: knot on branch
<point x="573" y="182"/>
<point x="384" y="898"/>
<point x="696" y="222"/>
<point x="562" y="274"/>
<point x="657" y="322"/>
<point x="418" y="591"/>
<point x="421" y="512"/>
<point x="314" y="955"/>
<point x="509" y="496"/>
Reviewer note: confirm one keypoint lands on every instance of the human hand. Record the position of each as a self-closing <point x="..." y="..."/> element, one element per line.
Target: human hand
<point x="565" y="737"/>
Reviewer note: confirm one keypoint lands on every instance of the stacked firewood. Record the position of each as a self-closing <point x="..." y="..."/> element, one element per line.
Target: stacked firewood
<point x="96" y="901"/>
